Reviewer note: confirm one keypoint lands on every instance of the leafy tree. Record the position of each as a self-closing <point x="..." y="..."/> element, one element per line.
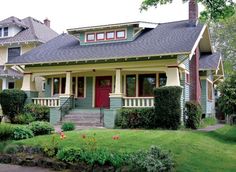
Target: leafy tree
<point x="223" y="34"/>
<point x="214" y="9"/>
<point x="227" y="100"/>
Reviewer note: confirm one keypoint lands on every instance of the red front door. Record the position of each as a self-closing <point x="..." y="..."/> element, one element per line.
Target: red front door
<point x="103" y="88"/>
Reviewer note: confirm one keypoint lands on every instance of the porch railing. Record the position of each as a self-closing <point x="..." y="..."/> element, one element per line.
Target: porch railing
<point x="47" y="101"/>
<point x="138" y="101"/>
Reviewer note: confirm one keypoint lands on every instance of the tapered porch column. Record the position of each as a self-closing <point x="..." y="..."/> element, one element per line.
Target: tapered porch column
<point x="118" y="82"/>
<point x="68" y="90"/>
<point x="172" y="73"/>
<point x="116" y="97"/>
<point x="28" y="82"/>
<point x="28" y="85"/>
<point x="4" y="83"/>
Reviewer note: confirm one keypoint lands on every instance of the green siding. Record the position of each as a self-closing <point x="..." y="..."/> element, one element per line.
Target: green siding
<point x="109" y="118"/>
<point x="48" y="87"/>
<point x="130" y="31"/>
<point x="30" y="95"/>
<point x="55" y="115"/>
<point x="87" y="101"/>
<point x="116" y="102"/>
<point x="203" y="96"/>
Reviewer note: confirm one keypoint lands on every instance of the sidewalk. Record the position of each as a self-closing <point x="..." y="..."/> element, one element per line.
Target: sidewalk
<point x="211" y="128"/>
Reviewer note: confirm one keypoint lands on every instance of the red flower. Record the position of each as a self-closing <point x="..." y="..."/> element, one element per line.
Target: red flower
<point x="117" y="137"/>
<point x="83" y="136"/>
<point x="62" y="135"/>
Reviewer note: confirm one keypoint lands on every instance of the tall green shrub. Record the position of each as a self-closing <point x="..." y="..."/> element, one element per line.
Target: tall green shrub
<point x="193" y="114"/>
<point x="12" y="102"/>
<point x="168" y="107"/>
<point x="39" y="112"/>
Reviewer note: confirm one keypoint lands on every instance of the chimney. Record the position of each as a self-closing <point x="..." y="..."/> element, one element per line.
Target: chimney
<point x="47" y="22"/>
<point x="193" y="12"/>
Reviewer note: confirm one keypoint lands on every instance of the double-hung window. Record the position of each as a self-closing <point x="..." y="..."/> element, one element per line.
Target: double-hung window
<point x="13" y="52"/>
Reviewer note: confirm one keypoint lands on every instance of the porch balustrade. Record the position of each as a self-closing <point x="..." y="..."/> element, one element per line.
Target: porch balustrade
<point x="138" y="102"/>
<point x="48" y="101"/>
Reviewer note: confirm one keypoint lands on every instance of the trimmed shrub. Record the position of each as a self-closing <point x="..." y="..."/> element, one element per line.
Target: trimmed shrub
<point x="135" y="118"/>
<point x="193" y="114"/>
<point x="41" y="128"/>
<point x="152" y="160"/>
<point x="6" y="131"/>
<point x="40" y="113"/>
<point x="168" y="107"/>
<point x="68" y="126"/>
<point x="12" y="102"/>
<point x="69" y="154"/>
<point x="22" y="132"/>
<point x="24" y="118"/>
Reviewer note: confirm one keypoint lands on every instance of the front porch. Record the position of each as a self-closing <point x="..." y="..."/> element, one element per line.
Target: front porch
<point x="107" y="87"/>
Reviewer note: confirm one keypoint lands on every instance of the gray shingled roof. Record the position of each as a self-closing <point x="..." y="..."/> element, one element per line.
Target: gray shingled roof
<point x="209" y="61"/>
<point x="32" y="30"/>
<point x="168" y="38"/>
<point x="9" y="73"/>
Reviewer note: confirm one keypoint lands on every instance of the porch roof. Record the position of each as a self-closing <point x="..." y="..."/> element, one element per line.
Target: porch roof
<point x="9" y="73"/>
<point x="209" y="61"/>
<point x="166" y="39"/>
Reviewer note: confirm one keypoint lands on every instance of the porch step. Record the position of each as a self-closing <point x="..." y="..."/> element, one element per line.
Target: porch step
<point x="89" y="118"/>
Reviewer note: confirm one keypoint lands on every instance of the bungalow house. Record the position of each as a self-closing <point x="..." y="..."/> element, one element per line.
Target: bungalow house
<point x="118" y="65"/>
<point x="18" y="36"/>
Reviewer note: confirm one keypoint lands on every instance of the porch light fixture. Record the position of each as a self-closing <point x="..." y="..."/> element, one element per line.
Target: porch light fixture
<point x="94" y="70"/>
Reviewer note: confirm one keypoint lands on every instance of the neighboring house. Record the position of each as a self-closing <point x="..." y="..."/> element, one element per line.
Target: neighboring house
<point x="118" y="65"/>
<point x="18" y="36"/>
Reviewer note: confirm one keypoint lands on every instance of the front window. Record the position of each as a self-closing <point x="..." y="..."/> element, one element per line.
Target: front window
<point x="210" y="89"/>
<point x="147" y="82"/>
<point x="74" y="85"/>
<point x="91" y="37"/>
<point x="11" y="85"/>
<point x="100" y="36"/>
<point x="120" y="34"/>
<point x="56" y="85"/>
<point x="162" y="79"/>
<point x="131" y="85"/>
<point x="63" y="85"/>
<point x="80" y="87"/>
<point x="13" y="52"/>
<point x="5" y="30"/>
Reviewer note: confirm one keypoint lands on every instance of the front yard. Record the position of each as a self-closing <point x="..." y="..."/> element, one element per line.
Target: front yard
<point x="192" y="150"/>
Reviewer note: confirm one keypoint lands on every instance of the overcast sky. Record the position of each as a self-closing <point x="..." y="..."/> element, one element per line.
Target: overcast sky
<point x="66" y="14"/>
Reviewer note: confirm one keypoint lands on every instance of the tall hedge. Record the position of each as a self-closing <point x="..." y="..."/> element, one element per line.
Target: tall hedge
<point x="168" y="107"/>
<point x="12" y="102"/>
<point x="193" y="114"/>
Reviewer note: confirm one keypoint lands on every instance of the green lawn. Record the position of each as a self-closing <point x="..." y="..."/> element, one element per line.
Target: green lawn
<point x="192" y="150"/>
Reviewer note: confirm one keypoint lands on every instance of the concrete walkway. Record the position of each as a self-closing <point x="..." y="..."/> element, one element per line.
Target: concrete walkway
<point x="17" y="168"/>
<point x="211" y="128"/>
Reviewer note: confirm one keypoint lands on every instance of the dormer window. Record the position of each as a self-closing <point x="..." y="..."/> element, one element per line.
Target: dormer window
<point x="110" y="35"/>
<point x="90" y="37"/>
<point x="5" y="31"/>
<point x="120" y="34"/>
<point x="100" y="36"/>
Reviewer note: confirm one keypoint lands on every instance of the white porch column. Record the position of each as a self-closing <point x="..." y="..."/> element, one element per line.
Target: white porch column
<point x="118" y="82"/>
<point x="28" y="83"/>
<point x="172" y="76"/>
<point x="4" y="83"/>
<point x="68" y="90"/>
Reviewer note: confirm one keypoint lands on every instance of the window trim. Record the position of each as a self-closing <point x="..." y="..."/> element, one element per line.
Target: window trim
<point x="113" y="36"/>
<point x="103" y="36"/>
<point x="187" y="78"/>
<point x="154" y="74"/>
<point x="124" y="37"/>
<point x="7" y="28"/>
<point x="7" y="54"/>
<point x="87" y="34"/>
<point x="1" y="35"/>
<point x="135" y="84"/>
<point x="76" y="88"/>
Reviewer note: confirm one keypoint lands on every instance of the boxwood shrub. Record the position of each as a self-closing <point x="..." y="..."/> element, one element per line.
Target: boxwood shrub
<point x="39" y="112"/>
<point x="193" y="114"/>
<point x="41" y="128"/>
<point x="12" y="102"/>
<point x="168" y="107"/>
<point x="135" y="118"/>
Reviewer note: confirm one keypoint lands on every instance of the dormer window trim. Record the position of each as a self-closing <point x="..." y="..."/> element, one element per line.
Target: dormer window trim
<point x="90" y="40"/>
<point x="5" y="31"/>
<point x="97" y="39"/>
<point x="105" y="33"/>
<point x="123" y="37"/>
